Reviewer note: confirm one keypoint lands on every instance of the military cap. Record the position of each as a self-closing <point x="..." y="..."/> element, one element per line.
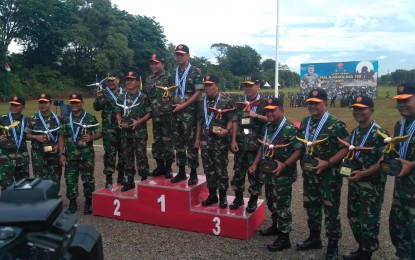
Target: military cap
<point x="250" y="80"/>
<point x="211" y="79"/>
<point x="156" y="58"/>
<point x="112" y="75"/>
<point x="273" y="103"/>
<point x="181" y="48"/>
<point x="132" y="75"/>
<point x="317" y="95"/>
<point x="362" y="101"/>
<point x="75" y="97"/>
<point x="17" y="100"/>
<point x="405" y="91"/>
<point x="44" y="97"/>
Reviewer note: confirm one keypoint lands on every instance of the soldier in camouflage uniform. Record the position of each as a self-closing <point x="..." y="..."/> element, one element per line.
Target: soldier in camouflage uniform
<point x="189" y="80"/>
<point x="43" y="130"/>
<point x="161" y="104"/>
<point x="76" y="152"/>
<point x="213" y="128"/>
<point x="14" y="157"/>
<point x="245" y="145"/>
<point x="310" y="80"/>
<point x="278" y="170"/>
<point x="111" y="134"/>
<point x="132" y="119"/>
<point x="366" y="183"/>
<point x="322" y="183"/>
<point x="402" y="214"/>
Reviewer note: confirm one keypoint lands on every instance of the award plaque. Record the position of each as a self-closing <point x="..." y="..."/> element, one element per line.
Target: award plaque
<point x="126" y="123"/>
<point x="7" y="144"/>
<point x="216" y="129"/>
<point x="166" y="105"/>
<point x="348" y="166"/>
<point x="267" y="166"/>
<point x="246" y="122"/>
<point x="81" y="143"/>
<point x="102" y="100"/>
<point x="48" y="146"/>
<point x="308" y="162"/>
<point x="390" y="166"/>
<point x="178" y="100"/>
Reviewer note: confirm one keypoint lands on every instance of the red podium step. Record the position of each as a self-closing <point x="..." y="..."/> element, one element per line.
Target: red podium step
<point x="159" y="202"/>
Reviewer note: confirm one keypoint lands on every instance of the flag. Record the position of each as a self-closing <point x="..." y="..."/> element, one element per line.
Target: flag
<point x="7" y="67"/>
<point x="141" y="84"/>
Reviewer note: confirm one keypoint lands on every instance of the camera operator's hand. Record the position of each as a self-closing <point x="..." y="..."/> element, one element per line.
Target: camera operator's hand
<point x="62" y="159"/>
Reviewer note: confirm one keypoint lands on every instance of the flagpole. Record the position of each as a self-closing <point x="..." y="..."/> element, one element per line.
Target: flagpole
<point x="276" y="51"/>
<point x="6" y="79"/>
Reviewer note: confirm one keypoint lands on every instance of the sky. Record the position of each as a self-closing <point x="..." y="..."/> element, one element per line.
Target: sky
<point x="310" y="31"/>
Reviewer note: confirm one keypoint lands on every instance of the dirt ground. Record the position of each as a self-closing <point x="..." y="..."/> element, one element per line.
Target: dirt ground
<point x="128" y="240"/>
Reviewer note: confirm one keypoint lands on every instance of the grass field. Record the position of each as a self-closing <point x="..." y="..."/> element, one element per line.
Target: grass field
<point x="385" y="115"/>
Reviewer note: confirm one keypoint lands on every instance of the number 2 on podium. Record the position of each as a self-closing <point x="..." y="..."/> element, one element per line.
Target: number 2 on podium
<point x="117" y="204"/>
<point x="162" y="201"/>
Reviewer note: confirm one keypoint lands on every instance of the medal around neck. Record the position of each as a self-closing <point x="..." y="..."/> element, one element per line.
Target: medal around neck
<point x="216" y="127"/>
<point x="247" y="121"/>
<point x="126" y="121"/>
<point x="309" y="159"/>
<point x="350" y="162"/>
<point x="268" y="165"/>
<point x="389" y="165"/>
<point x="166" y="99"/>
<point x="80" y="142"/>
<point x="49" y="144"/>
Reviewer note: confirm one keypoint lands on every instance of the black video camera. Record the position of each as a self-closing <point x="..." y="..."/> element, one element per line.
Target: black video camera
<point x="34" y="226"/>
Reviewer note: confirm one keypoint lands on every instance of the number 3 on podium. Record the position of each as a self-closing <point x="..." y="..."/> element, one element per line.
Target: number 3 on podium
<point x="217" y="230"/>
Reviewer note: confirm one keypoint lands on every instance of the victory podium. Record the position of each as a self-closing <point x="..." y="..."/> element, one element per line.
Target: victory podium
<point x="157" y="201"/>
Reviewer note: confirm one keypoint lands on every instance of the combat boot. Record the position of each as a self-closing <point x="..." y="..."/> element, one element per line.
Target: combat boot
<point x="159" y="170"/>
<point x="108" y="182"/>
<point x="353" y="255"/>
<point x="181" y="176"/>
<point x="282" y="242"/>
<point x="88" y="207"/>
<point x="332" y="250"/>
<point x="72" y="206"/>
<point x="211" y="199"/>
<point x="168" y="173"/>
<point x="252" y="204"/>
<point x="120" y="178"/>
<point x="223" y="202"/>
<point x="312" y="242"/>
<point x="238" y="201"/>
<point x="128" y="185"/>
<point x="193" y="177"/>
<point x="270" y="231"/>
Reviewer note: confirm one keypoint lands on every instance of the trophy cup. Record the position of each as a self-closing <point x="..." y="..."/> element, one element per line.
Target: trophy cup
<point x="48" y="145"/>
<point x="309" y="160"/>
<point x="268" y="165"/>
<point x="8" y="143"/>
<point x="247" y="121"/>
<point x="216" y="128"/>
<point x="166" y="99"/>
<point x="126" y="121"/>
<point x="349" y="162"/>
<point x="389" y="165"/>
<point x="80" y="142"/>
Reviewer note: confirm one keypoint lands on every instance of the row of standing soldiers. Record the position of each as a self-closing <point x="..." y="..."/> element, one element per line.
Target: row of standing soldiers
<point x="266" y="146"/>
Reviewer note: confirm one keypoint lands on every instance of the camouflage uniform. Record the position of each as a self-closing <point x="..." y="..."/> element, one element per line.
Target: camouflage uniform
<point x="365" y="196"/>
<point x="134" y="142"/>
<point x="322" y="191"/>
<point x="310" y="81"/>
<point x="402" y="214"/>
<point x="248" y="146"/>
<point x="111" y="134"/>
<point x="163" y="146"/>
<point x="214" y="148"/>
<point x="79" y="160"/>
<point x="45" y="165"/>
<point x="14" y="163"/>
<point x="185" y="122"/>
<point x="278" y="189"/>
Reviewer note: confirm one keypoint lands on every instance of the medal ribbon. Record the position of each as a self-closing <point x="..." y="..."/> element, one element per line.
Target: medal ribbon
<point x="209" y="120"/>
<point x="135" y="101"/>
<point x="55" y="139"/>
<point x="114" y="97"/>
<point x="273" y="137"/>
<point x="319" y="127"/>
<point x="362" y="143"/>
<point x="75" y="134"/>
<point x="181" y="81"/>
<point x="18" y="142"/>
<point x="403" y="147"/>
